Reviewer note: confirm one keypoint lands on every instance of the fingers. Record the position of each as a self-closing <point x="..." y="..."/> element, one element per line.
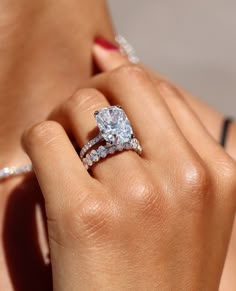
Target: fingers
<point x="107" y="61"/>
<point x="184" y="116"/>
<point x="77" y="115"/>
<point x="191" y="126"/>
<point x="167" y="146"/>
<point x="131" y="87"/>
<point x="55" y="162"/>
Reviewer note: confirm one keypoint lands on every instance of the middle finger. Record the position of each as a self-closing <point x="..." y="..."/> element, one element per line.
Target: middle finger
<point x="131" y="87"/>
<point x="77" y="117"/>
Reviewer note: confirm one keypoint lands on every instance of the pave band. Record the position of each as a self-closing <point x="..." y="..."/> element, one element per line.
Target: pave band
<point x="90" y="144"/>
<point x="103" y="151"/>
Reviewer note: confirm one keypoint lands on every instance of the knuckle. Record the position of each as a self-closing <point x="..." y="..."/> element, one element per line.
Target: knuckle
<point x="151" y="203"/>
<point x="195" y="181"/>
<point x="42" y="133"/>
<point x="145" y="197"/>
<point x="130" y="71"/>
<point x="165" y="86"/>
<point x="84" y="100"/>
<point x="94" y="214"/>
<point x="90" y="219"/>
<point x="193" y="186"/>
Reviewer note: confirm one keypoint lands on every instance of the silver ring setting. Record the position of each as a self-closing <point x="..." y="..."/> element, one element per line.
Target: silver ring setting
<point x="117" y="133"/>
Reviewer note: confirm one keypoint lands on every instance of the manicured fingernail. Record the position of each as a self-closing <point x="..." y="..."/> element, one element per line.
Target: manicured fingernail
<point x="106" y="44"/>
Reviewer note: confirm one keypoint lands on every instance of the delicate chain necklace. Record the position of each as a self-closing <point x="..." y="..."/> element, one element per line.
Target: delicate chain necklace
<point x="8" y="172"/>
<point x="127" y="49"/>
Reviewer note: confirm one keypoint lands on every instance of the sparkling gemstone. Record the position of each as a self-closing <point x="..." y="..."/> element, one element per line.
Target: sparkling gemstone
<point x="4" y="172"/>
<point x="89" y="161"/>
<point x="127" y="146"/>
<point x="139" y="149"/>
<point x="112" y="150"/>
<point x="134" y="143"/>
<point x="102" y="152"/>
<point x="85" y="163"/>
<point x="114" y="125"/>
<point x="120" y="147"/>
<point x="94" y="156"/>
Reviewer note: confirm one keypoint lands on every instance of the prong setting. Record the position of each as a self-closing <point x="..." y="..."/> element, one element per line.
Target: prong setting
<point x="96" y="113"/>
<point x="116" y="133"/>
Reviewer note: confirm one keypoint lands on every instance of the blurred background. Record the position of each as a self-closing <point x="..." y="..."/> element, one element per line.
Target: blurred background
<point x="192" y="42"/>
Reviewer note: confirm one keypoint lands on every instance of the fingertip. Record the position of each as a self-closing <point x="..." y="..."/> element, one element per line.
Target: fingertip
<point x="106" y="44"/>
<point x="102" y="55"/>
<point x="107" y="55"/>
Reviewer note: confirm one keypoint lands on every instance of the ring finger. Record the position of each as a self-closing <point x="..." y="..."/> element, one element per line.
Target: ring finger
<point x="131" y="87"/>
<point x="77" y="116"/>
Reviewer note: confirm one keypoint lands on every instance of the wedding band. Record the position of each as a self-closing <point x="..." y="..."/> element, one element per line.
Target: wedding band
<point x="117" y="133"/>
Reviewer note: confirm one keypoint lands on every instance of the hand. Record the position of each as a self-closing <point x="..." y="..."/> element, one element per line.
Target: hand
<point x="161" y="221"/>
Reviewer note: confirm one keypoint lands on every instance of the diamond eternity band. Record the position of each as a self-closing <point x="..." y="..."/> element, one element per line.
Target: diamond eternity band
<point x="103" y="151"/>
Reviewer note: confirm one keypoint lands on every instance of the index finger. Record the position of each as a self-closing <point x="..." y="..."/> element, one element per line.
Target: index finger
<point x="55" y="161"/>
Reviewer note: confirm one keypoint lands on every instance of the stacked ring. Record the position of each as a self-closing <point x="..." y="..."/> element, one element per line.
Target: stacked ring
<point x="117" y="133"/>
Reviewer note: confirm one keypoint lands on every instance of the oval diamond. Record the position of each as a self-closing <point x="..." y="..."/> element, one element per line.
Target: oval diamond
<point x="102" y="151"/>
<point x="114" y="125"/>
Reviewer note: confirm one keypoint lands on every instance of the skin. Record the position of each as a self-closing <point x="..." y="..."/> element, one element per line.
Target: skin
<point x="43" y="61"/>
<point x="40" y="71"/>
<point x="152" y="227"/>
<point x="43" y="77"/>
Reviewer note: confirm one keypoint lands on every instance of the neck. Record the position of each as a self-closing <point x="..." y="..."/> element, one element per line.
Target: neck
<point x="45" y="54"/>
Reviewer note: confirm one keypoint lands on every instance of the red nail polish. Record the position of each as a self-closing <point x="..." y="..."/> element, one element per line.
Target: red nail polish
<point x="105" y="43"/>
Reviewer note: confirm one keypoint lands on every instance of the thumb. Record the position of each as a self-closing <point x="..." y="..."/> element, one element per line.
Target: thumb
<point x="109" y="56"/>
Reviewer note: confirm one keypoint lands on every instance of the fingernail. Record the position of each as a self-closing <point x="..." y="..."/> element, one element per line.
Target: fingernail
<point x="106" y="44"/>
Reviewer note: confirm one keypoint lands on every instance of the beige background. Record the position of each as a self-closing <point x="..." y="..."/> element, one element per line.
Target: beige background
<point x="193" y="42"/>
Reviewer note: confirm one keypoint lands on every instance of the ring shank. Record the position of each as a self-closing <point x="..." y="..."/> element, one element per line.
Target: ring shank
<point x="103" y="151"/>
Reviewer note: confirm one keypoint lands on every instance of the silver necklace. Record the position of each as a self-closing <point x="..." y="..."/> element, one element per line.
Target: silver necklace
<point x="9" y="172"/>
<point x="127" y="49"/>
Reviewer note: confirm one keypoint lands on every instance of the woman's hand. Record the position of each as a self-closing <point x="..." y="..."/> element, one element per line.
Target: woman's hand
<point x="161" y="221"/>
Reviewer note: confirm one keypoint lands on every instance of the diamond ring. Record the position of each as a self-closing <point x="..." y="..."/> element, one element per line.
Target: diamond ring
<point x="117" y="133"/>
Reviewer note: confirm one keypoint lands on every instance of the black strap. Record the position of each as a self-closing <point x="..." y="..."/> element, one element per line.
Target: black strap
<point x="225" y="130"/>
